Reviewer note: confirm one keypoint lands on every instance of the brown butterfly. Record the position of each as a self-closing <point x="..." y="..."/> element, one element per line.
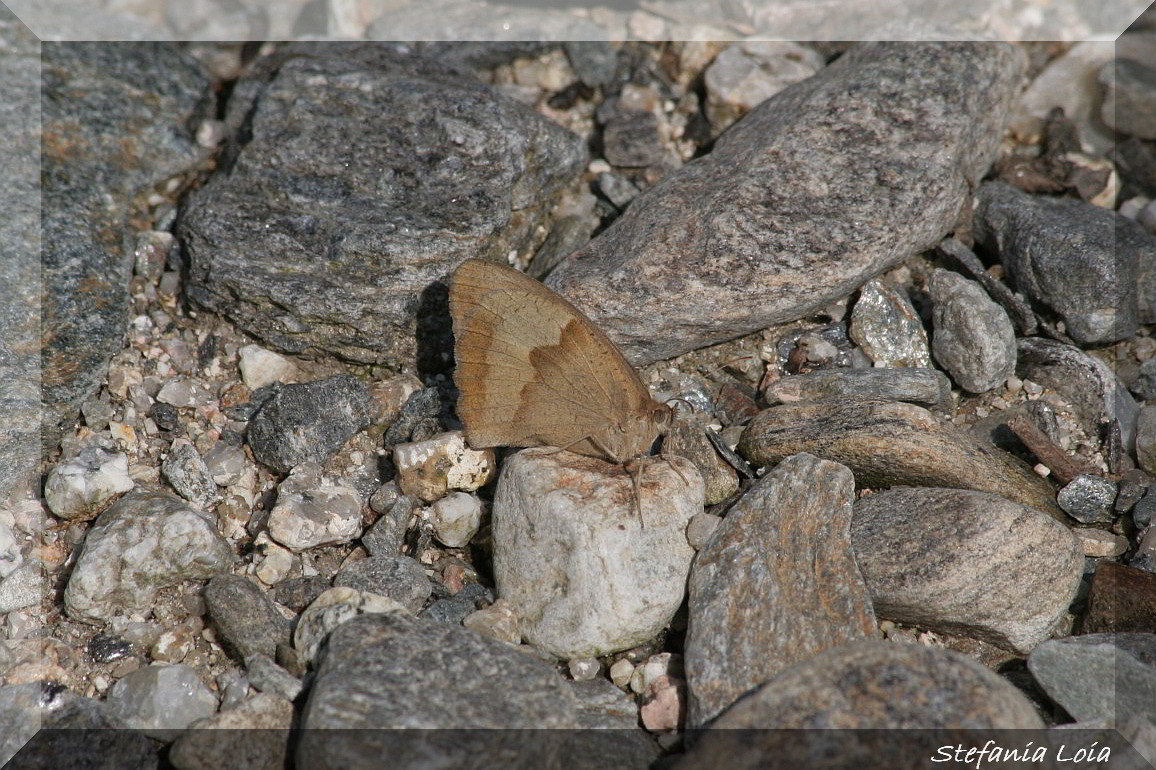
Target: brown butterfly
<point x="534" y="371"/>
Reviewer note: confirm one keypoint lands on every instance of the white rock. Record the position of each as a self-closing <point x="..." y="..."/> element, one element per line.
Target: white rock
<point x="584" y="574"/>
<point x="226" y="463"/>
<point x="583" y="669"/>
<point x="160" y="701"/>
<point x="143" y="543"/>
<point x="312" y="510"/>
<point x="662" y="664"/>
<point x="428" y="469"/>
<point x="275" y="566"/>
<point x="330" y="610"/>
<point x="81" y="487"/>
<point x="259" y="367"/>
<point x="10" y="556"/>
<point x="456" y="519"/>
<point x="180" y="392"/>
<point x="749" y="72"/>
<point x="622" y="672"/>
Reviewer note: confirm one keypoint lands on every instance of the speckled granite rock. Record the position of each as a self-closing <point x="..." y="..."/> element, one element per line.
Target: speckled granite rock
<point x="382" y="673"/>
<point x="788" y="213"/>
<point x="324" y="239"/>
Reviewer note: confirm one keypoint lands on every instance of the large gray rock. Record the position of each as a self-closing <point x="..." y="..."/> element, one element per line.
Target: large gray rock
<point x="143" y="543"/>
<point x="883" y="705"/>
<point x="1099" y="676"/>
<point x="968" y="563"/>
<point x="117" y="120"/>
<point x="392" y="684"/>
<point x="776" y="583"/>
<point x="793" y="210"/>
<point x="585" y="570"/>
<point x="319" y="238"/>
<point x="1078" y="259"/>
<point x="20" y="263"/>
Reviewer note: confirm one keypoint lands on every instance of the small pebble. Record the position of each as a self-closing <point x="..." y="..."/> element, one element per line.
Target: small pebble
<point x="497" y="621"/>
<point x="621" y="673"/>
<point x="583" y="669"/>
<point x="1099" y="543"/>
<point x="456" y="519"/>
<point x="1089" y="499"/>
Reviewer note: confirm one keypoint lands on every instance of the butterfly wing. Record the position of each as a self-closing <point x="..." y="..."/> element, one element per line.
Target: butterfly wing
<point x="531" y="369"/>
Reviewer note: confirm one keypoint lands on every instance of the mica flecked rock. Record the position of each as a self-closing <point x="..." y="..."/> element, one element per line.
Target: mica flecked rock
<point x="890" y="443"/>
<point x="776" y="583"/>
<point x="586" y="571"/>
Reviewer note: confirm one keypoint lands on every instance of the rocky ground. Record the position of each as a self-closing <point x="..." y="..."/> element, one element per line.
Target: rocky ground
<point x="913" y="296"/>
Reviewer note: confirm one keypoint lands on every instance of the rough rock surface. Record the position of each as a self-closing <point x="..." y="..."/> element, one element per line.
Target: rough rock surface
<point x="946" y="560"/>
<point x="974" y="339"/>
<point x="1097" y="676"/>
<point x="867" y="692"/>
<point x="324" y="239"/>
<point x="144" y="542"/>
<point x="393" y="680"/>
<point x="1078" y="259"/>
<point x="117" y="121"/>
<point x="783" y="217"/>
<point x="889" y="443"/>
<point x="776" y="583"/>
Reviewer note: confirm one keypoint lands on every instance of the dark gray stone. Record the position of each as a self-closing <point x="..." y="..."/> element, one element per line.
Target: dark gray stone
<point x="455" y="608"/>
<point x="387" y="534"/>
<point x="1146" y="437"/>
<point x="927" y="387"/>
<point x="1145" y="511"/>
<point x="396" y="577"/>
<point x="786" y="214"/>
<point x="117" y="121"/>
<point x="966" y="563"/>
<point x="309" y="421"/>
<point x="891" y="443"/>
<point x="865" y="694"/>
<point x="973" y="339"/>
<point x="1129" y="104"/>
<point x="380" y="673"/>
<point x="1089" y="499"/>
<point x="324" y="239"/>
<point x="244" y="617"/>
<point x="1097" y="676"/>
<point x="1092" y="388"/>
<point x="1145" y="385"/>
<point x="594" y="61"/>
<point x="630" y="139"/>
<point x="774" y="585"/>
<point x="299" y="593"/>
<point x="185" y="470"/>
<point x="265" y="675"/>
<point x="1078" y="259"/>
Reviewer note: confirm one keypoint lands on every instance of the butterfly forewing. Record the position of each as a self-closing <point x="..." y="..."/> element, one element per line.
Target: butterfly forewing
<point x="532" y="370"/>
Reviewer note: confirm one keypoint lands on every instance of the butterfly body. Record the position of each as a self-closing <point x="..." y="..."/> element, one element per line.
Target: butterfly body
<point x="532" y="370"/>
